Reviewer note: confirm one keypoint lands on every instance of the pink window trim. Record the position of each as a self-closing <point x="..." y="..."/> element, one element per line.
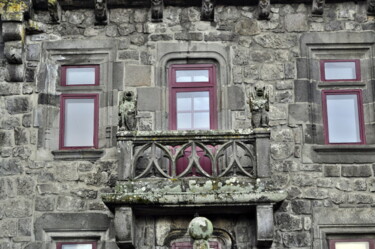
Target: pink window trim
<point x="175" y="87"/>
<point x="63" y="97"/>
<point x="60" y="244"/>
<point x="183" y="245"/>
<point x="65" y="67"/>
<point x="361" y="121"/>
<point x="357" y="70"/>
<point x="332" y="242"/>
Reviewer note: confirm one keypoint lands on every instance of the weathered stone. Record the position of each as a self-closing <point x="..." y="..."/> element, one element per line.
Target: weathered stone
<point x="356" y="170"/>
<point x="68" y="203"/>
<point x="18" y="105"/>
<point x="149" y="99"/>
<point x="10" y="167"/>
<point x="189" y="36"/>
<point x="297" y="239"/>
<point x="294" y="192"/>
<point x="247" y="27"/>
<point x="140" y="15"/>
<point x="315" y="193"/>
<point x="288" y="222"/>
<point x="126" y="29"/>
<point x="76" y="17"/>
<point x="12" y="31"/>
<point x="276" y="40"/>
<point x="137" y="75"/>
<point x="286" y="166"/>
<point x="47" y="188"/>
<point x="360" y="185"/>
<point x="222" y="36"/>
<point x="86" y="193"/>
<point x="85" y="167"/>
<point x="278" y="112"/>
<point x="344" y="185"/>
<point x="111" y="30"/>
<point x="13" y="52"/>
<point x="236" y="98"/>
<point x="334" y="26"/>
<point x="331" y="170"/>
<point x="7" y="89"/>
<point x="138" y="39"/>
<point x="120" y="15"/>
<point x="25" y="186"/>
<point x="6" y="138"/>
<point x="18" y="208"/>
<point x="64" y="172"/>
<point x="8" y="228"/>
<point x="129" y="55"/>
<point x="26" y="120"/>
<point x="20" y="136"/>
<point x="15" y="73"/>
<point x="241" y="57"/>
<point x="27" y="89"/>
<point x="161" y="37"/>
<point x="281" y="151"/>
<point x="33" y="52"/>
<point x="360" y="198"/>
<point x="272" y="72"/>
<point x="22" y="152"/>
<point x="301" y="206"/>
<point x="24" y="227"/>
<point x="296" y="22"/>
<point x="44" y="203"/>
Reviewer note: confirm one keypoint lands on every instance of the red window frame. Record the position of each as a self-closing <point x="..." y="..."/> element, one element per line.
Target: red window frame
<point x="65" y="67"/>
<point x="63" y="97"/>
<point x="176" y="87"/>
<point x="189" y="245"/>
<point x="357" y="70"/>
<point x="361" y="121"/>
<point x="60" y="244"/>
<point x="332" y="242"/>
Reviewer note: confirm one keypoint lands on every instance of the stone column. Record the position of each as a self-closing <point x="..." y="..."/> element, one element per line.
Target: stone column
<point x="262" y="147"/>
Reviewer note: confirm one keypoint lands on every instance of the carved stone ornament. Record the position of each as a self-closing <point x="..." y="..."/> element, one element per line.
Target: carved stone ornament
<point x="101" y="11"/>
<point x="128" y="112"/>
<point x="54" y="10"/>
<point x="208" y="10"/>
<point x="157" y="7"/>
<point x="318" y="7"/>
<point x="259" y="107"/>
<point x="371" y="7"/>
<point x="264" y="9"/>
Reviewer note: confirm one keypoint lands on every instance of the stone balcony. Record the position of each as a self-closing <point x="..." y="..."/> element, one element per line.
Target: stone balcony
<point x="222" y="174"/>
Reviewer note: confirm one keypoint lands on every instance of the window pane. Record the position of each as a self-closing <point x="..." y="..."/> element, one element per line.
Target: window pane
<point x="343" y="120"/>
<point x="202" y="120"/>
<point x="192" y="76"/>
<point x="345" y="70"/>
<point x="80" y="76"/>
<point x="184" y="121"/>
<point x="184" y="103"/>
<point x="202" y="102"/>
<point x="76" y="246"/>
<point x="352" y="245"/>
<point x="79" y="122"/>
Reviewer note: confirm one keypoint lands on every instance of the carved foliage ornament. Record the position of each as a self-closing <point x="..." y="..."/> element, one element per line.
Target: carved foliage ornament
<point x="208" y="10"/>
<point x="157" y="7"/>
<point x="317" y="7"/>
<point x="264" y="9"/>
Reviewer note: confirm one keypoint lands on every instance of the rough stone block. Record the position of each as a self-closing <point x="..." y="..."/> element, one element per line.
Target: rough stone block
<point x="20" y="136"/>
<point x="296" y="22"/>
<point x="17" y="105"/>
<point x="24" y="227"/>
<point x="67" y="203"/>
<point x="276" y="40"/>
<point x="288" y="222"/>
<point x="8" y="228"/>
<point x="161" y="37"/>
<point x="236" y="98"/>
<point x="25" y="186"/>
<point x="298" y="113"/>
<point x="301" y="90"/>
<point x="247" y="27"/>
<point x="33" y="52"/>
<point x="26" y="120"/>
<point x="66" y="172"/>
<point x="297" y="239"/>
<point x="19" y="208"/>
<point x="360" y="199"/>
<point x="6" y="138"/>
<point x="45" y="203"/>
<point x="129" y="55"/>
<point x="12" y="31"/>
<point x="301" y="206"/>
<point x="137" y="75"/>
<point x="15" y="73"/>
<point x="9" y="89"/>
<point x="48" y="99"/>
<point x="192" y="36"/>
<point x="331" y="171"/>
<point x="222" y="36"/>
<point x="10" y="167"/>
<point x="356" y="170"/>
<point x="149" y="99"/>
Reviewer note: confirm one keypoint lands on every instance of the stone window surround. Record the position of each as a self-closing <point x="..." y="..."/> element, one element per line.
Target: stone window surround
<point x="88" y="52"/>
<point x="308" y="86"/>
<point x="59" y="245"/>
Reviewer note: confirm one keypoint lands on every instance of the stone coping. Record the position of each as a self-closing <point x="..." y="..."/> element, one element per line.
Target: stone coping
<point x="84" y="154"/>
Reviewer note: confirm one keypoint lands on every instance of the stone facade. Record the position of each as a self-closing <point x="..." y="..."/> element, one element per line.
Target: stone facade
<point x="301" y="193"/>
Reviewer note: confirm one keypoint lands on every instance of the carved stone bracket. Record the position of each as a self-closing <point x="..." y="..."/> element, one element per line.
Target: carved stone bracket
<point x="318" y="7"/>
<point x="208" y="10"/>
<point x="157" y="7"/>
<point x="54" y="10"/>
<point x="101" y="12"/>
<point x="264" y="224"/>
<point x="371" y="7"/>
<point x="264" y="9"/>
<point x="125" y="227"/>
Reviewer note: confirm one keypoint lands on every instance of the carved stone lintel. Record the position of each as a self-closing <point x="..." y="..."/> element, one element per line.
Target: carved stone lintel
<point x="264" y="9"/>
<point x="371" y="7"/>
<point x="264" y="224"/>
<point x="208" y="10"/>
<point x="101" y="11"/>
<point x="125" y="227"/>
<point x="318" y="7"/>
<point x="157" y="7"/>
<point x="54" y="10"/>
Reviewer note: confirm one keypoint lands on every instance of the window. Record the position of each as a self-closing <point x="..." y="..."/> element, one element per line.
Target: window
<point x="351" y="244"/>
<point x="340" y="70"/>
<point x="76" y="245"/>
<point x="343" y="116"/>
<point x="192" y="97"/>
<point x="188" y="245"/>
<point x="84" y="75"/>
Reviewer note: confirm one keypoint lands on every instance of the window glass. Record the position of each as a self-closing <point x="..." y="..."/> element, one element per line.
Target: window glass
<point x="343" y="119"/>
<point x="79" y="122"/>
<point x="76" y="246"/>
<point x="80" y="76"/>
<point x="192" y="76"/>
<point x="352" y="245"/>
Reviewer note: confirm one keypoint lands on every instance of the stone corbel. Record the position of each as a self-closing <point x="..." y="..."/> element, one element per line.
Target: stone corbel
<point x="13" y="52"/>
<point x="54" y="10"/>
<point x="371" y="7"/>
<point x="318" y="7"/>
<point x="101" y="12"/>
<point x="264" y="224"/>
<point x="208" y="10"/>
<point x="125" y="227"/>
<point x="264" y="9"/>
<point x="157" y="7"/>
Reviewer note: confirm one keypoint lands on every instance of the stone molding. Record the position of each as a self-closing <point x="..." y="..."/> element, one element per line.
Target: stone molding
<point x="72" y="155"/>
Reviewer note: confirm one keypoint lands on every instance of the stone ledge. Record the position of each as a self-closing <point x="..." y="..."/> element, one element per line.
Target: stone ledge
<point x="345" y="154"/>
<point x="71" y="155"/>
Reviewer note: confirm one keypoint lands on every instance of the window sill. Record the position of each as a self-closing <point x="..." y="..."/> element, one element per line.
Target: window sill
<point x="343" y="154"/>
<point x="83" y="154"/>
<point x="328" y="84"/>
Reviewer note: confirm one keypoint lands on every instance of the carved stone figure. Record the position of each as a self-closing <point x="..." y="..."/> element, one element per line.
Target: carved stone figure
<point x="100" y="11"/>
<point x="128" y="112"/>
<point x="208" y="10"/>
<point x="317" y="7"/>
<point x="371" y="6"/>
<point x="157" y="10"/>
<point x="54" y="10"/>
<point x="264" y="9"/>
<point x="259" y="107"/>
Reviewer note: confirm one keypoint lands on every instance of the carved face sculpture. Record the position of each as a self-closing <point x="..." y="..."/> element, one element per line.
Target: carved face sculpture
<point x="128" y="96"/>
<point x="156" y="2"/>
<point x="263" y="3"/>
<point x="260" y="91"/>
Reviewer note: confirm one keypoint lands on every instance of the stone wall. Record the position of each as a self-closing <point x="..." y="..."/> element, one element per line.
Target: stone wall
<point x="37" y="190"/>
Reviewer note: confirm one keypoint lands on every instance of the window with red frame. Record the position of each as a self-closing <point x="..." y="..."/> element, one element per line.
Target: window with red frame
<point x="188" y="245"/>
<point x="192" y="97"/>
<point x="340" y="70"/>
<point x="79" y="121"/>
<point x="343" y="116"/>
<point x="80" y="75"/>
<point x="351" y="244"/>
<point x="76" y="245"/>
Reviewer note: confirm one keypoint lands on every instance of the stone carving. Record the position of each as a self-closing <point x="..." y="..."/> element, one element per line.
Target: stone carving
<point x="259" y="107"/>
<point x="208" y="10"/>
<point x="128" y="112"/>
<point x="157" y="10"/>
<point x="100" y="11"/>
<point x="371" y="7"/>
<point x="54" y="10"/>
<point x="200" y="229"/>
<point x="13" y="52"/>
<point x="317" y="7"/>
<point x="264" y="9"/>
